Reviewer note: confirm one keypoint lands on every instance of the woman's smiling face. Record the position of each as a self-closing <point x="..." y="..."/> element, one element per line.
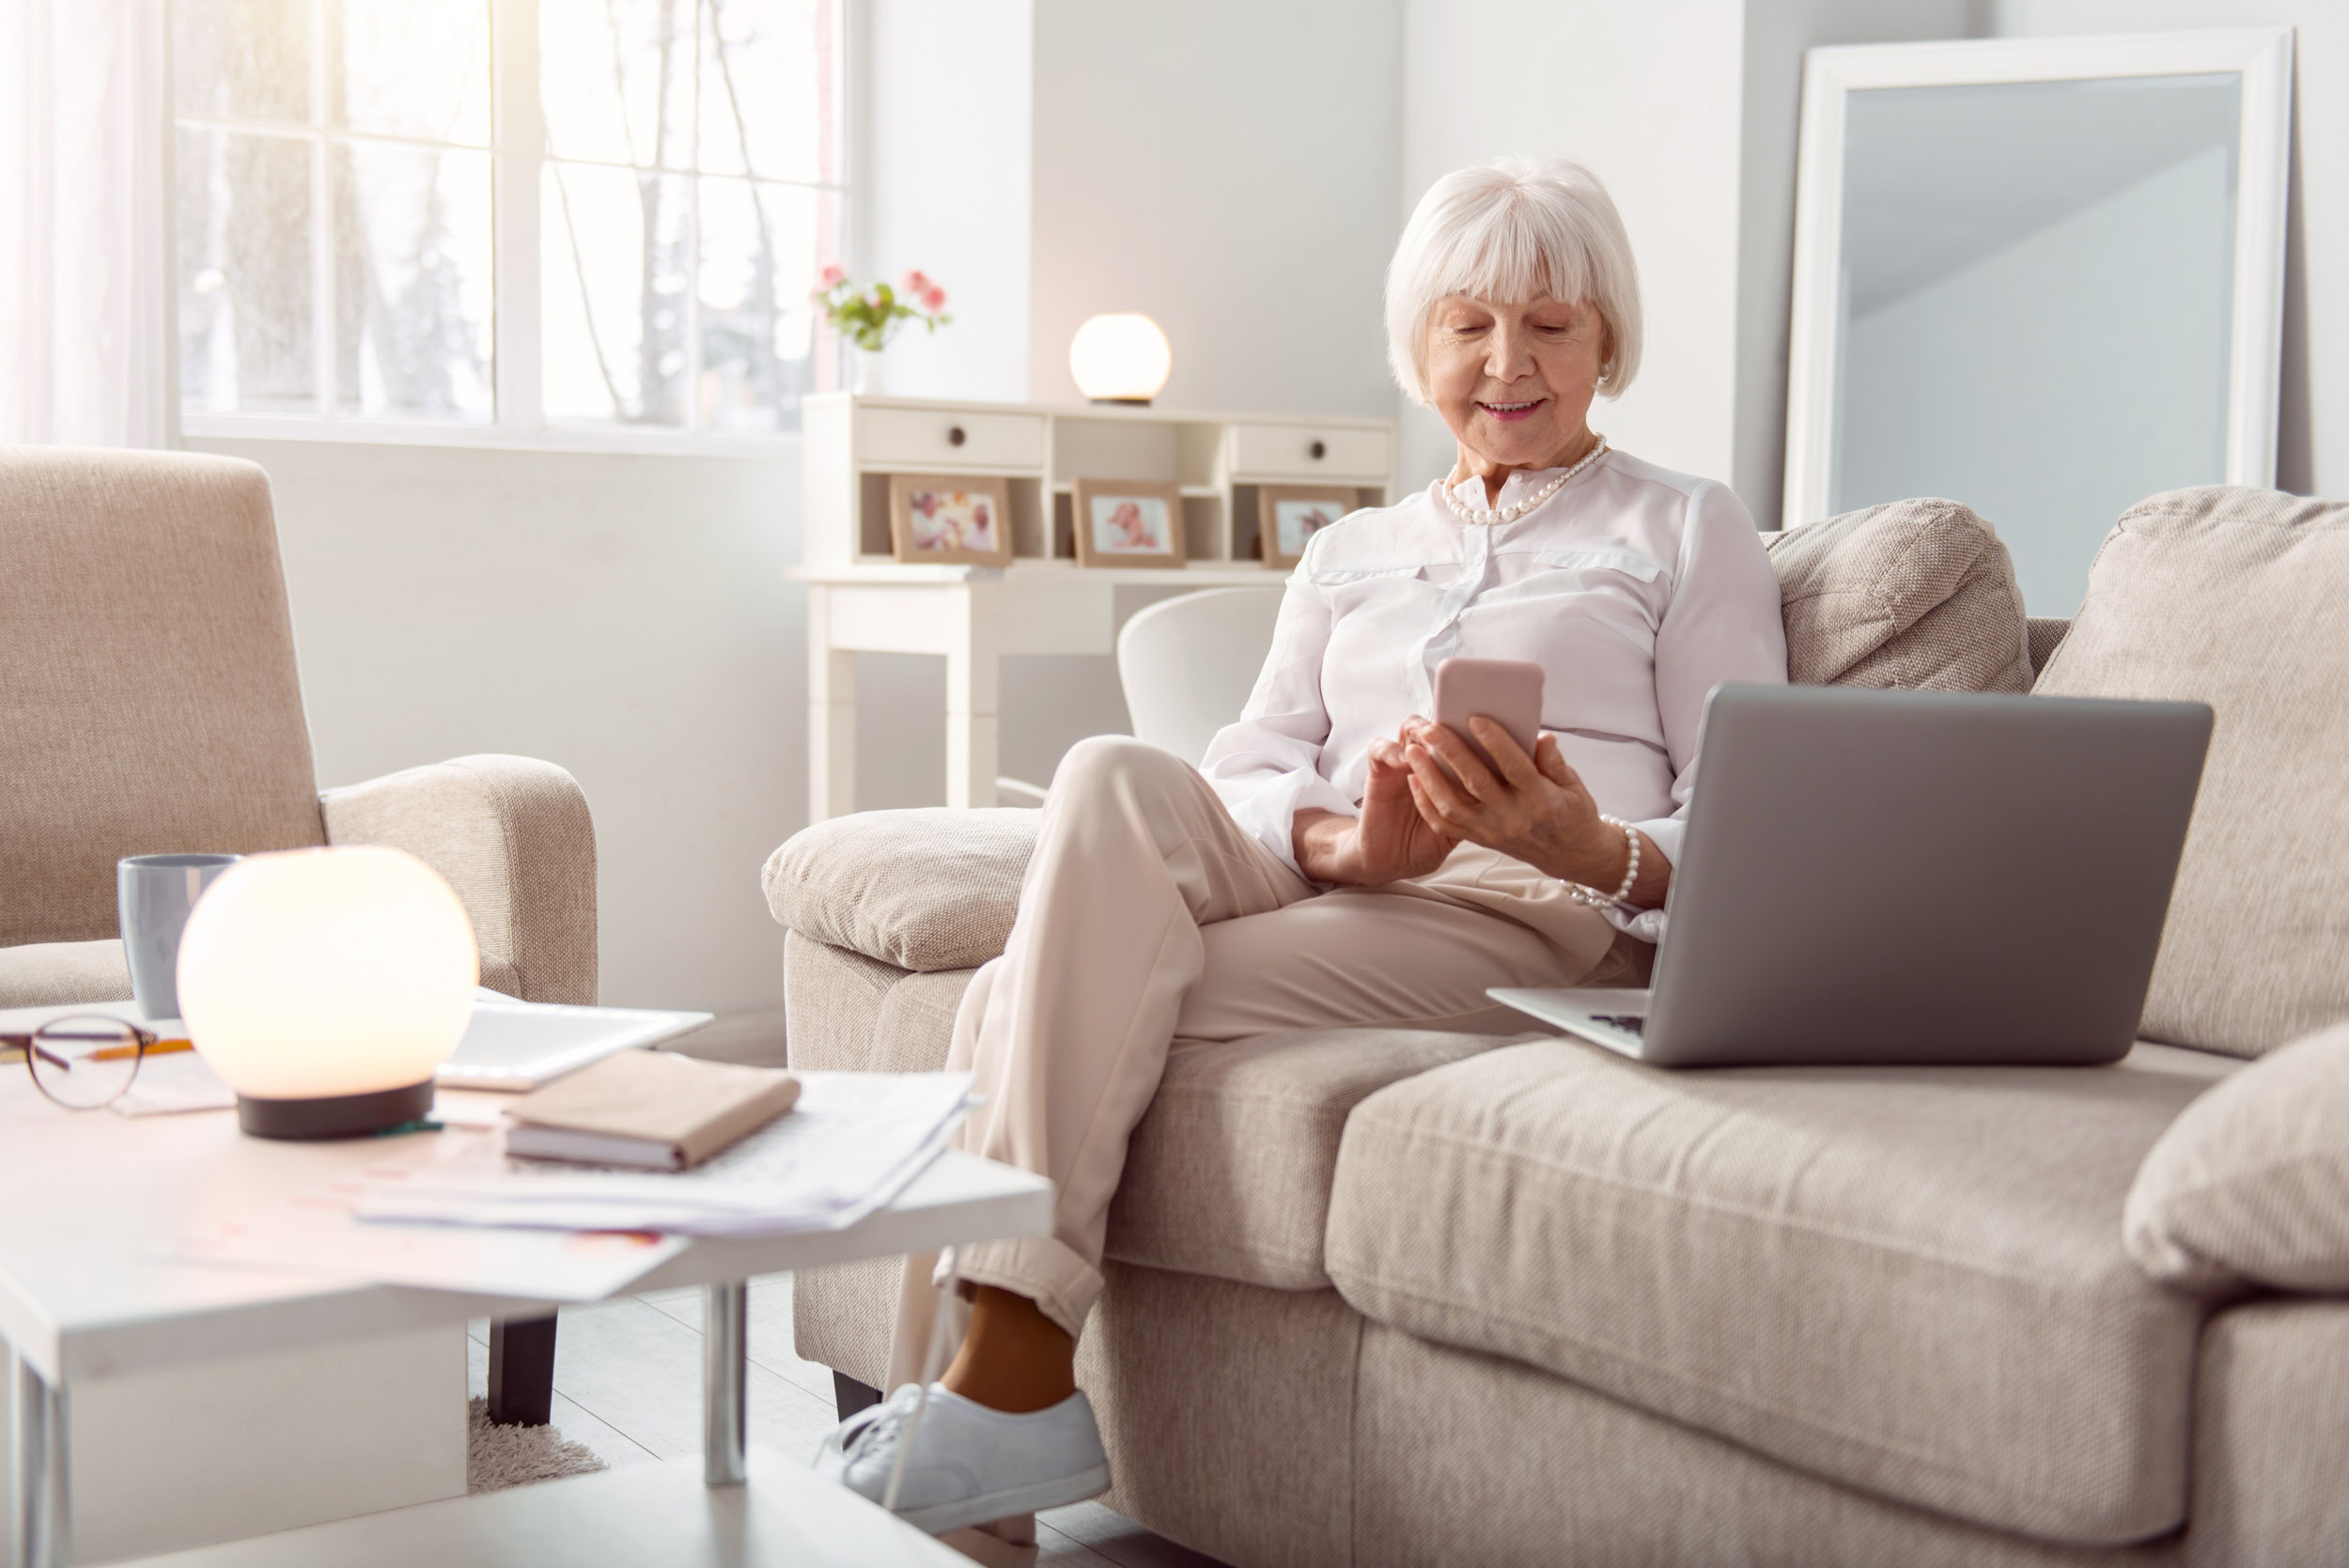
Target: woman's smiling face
<point x="1515" y="381"/>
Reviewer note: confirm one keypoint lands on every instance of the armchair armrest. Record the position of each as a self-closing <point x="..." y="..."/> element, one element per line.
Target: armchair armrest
<point x="925" y="890"/>
<point x="514" y="838"/>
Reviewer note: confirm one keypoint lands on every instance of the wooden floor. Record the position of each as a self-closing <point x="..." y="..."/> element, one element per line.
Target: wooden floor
<point x="628" y="1384"/>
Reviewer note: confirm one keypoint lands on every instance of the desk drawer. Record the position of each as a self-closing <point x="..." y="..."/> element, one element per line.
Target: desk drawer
<point x="927" y="438"/>
<point x="1290" y="449"/>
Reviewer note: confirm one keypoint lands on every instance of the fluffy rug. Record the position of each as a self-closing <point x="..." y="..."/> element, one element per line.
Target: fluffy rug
<point x="497" y="1457"/>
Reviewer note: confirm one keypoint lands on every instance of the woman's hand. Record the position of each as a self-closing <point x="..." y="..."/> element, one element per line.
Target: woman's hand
<point x="1392" y="840"/>
<point x="1535" y="809"/>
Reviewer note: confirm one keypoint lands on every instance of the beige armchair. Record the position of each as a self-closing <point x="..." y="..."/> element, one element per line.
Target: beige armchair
<point x="149" y="704"/>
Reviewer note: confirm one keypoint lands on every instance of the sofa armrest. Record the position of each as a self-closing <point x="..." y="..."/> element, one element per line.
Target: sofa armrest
<point x="514" y="838"/>
<point x="925" y="890"/>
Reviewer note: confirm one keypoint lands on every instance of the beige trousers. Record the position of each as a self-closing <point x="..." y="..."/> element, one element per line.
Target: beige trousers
<point x="1149" y="918"/>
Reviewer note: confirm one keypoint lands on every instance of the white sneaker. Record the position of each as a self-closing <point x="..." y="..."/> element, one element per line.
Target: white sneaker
<point x="968" y="1464"/>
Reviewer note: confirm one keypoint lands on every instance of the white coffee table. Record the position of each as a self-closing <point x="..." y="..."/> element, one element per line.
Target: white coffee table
<point x="84" y="1297"/>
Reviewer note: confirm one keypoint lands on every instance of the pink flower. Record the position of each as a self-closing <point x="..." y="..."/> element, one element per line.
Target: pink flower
<point x="913" y="283"/>
<point x="831" y="275"/>
<point x="935" y="300"/>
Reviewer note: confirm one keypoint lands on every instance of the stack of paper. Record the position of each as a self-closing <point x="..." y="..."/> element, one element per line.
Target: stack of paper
<point x="851" y="1144"/>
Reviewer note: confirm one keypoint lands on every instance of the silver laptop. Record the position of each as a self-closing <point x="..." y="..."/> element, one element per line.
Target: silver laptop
<point x="1910" y="877"/>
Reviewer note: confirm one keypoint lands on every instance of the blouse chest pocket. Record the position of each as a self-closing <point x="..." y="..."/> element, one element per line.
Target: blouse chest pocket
<point x="1630" y="563"/>
<point x="1349" y="589"/>
<point x="1619" y="590"/>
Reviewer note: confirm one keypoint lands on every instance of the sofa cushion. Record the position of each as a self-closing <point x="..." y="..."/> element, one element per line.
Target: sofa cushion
<point x="1908" y="1280"/>
<point x="932" y="889"/>
<point x="2250" y="1186"/>
<point x="1229" y="1171"/>
<point x="2234" y="597"/>
<point x="1916" y="594"/>
<point x="49" y="975"/>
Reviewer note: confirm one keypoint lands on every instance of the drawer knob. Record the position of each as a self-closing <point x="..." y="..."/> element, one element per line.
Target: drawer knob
<point x="955" y="438"/>
<point x="1317" y="450"/>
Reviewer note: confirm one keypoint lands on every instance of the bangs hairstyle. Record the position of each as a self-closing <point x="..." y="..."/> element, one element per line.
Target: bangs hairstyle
<point x="1507" y="231"/>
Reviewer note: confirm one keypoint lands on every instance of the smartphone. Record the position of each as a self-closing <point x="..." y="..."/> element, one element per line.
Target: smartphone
<point x="1506" y="691"/>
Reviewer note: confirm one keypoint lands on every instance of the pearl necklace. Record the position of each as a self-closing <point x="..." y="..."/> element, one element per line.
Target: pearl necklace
<point x="1485" y="519"/>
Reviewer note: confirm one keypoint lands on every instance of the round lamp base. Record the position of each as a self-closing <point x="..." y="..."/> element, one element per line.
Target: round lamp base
<point x="335" y="1115"/>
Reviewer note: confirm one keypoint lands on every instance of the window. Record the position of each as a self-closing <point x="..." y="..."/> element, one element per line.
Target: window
<point x="512" y="216"/>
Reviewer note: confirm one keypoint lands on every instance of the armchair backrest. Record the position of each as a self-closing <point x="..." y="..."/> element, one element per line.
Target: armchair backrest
<point x="1189" y="663"/>
<point x="149" y="701"/>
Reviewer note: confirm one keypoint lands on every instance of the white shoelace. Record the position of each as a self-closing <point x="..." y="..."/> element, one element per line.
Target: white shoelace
<point x="911" y="1416"/>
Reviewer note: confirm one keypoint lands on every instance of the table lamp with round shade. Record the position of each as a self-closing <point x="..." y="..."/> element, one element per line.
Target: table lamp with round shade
<point x="325" y="986"/>
<point x="1120" y="359"/>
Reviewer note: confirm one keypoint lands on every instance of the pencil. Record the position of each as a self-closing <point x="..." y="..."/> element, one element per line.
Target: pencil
<point x="117" y="1053"/>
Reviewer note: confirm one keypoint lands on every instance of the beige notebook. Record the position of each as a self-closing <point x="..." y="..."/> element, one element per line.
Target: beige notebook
<point x="647" y="1108"/>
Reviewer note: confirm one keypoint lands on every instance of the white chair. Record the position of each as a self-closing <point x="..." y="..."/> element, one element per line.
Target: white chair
<point x="1187" y="664"/>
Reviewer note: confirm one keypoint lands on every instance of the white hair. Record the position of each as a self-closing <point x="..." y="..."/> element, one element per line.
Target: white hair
<point x="1508" y="231"/>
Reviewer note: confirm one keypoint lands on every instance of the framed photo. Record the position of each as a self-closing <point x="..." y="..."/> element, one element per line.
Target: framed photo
<point x="1128" y="522"/>
<point x="1288" y="515"/>
<point x="950" y="519"/>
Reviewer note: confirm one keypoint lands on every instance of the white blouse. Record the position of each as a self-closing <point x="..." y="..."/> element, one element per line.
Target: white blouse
<point x="1638" y="590"/>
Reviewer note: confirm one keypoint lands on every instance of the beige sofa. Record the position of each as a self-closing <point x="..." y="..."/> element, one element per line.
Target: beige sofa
<point x="1382" y="1297"/>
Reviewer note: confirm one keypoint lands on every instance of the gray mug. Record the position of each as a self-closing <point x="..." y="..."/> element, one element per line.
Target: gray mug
<point x="156" y="893"/>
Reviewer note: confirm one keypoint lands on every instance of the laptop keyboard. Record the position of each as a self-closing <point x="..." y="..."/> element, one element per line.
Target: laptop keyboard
<point x="1630" y="1023"/>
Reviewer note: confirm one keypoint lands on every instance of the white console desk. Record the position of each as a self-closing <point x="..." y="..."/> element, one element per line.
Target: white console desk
<point x="861" y="599"/>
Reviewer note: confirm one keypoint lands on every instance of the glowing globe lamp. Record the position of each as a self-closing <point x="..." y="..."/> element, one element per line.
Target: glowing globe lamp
<point x="1120" y="359"/>
<point x="325" y="986"/>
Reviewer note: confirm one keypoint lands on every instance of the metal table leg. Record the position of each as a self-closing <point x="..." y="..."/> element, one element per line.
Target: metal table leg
<point x="725" y="1321"/>
<point x="43" y="1498"/>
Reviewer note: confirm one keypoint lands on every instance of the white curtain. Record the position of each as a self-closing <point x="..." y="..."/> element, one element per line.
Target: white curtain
<point x="85" y="259"/>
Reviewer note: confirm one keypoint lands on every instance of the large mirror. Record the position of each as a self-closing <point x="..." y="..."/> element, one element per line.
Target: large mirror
<point x="2043" y="277"/>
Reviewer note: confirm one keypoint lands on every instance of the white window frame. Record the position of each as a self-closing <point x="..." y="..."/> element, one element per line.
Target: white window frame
<point x="517" y="157"/>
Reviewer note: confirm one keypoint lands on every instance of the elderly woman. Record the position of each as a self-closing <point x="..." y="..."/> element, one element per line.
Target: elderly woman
<point x="1340" y="859"/>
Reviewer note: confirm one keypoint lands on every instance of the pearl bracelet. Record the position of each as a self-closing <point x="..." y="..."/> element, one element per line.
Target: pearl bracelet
<point x="1597" y="900"/>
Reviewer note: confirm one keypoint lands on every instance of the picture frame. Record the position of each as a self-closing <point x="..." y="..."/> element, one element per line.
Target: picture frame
<point x="1128" y="522"/>
<point x="950" y="519"/>
<point x="1289" y="515"/>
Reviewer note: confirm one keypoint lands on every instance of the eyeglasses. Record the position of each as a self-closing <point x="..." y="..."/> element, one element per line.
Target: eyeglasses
<point x="82" y="1062"/>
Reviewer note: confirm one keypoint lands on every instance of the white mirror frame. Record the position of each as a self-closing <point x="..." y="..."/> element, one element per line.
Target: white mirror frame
<point x="2261" y="56"/>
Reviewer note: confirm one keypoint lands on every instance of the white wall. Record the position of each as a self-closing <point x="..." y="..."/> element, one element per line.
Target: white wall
<point x="623" y="616"/>
<point x="1228" y="167"/>
<point x="1647" y="97"/>
<point x="1769" y="117"/>
<point x="942" y="147"/>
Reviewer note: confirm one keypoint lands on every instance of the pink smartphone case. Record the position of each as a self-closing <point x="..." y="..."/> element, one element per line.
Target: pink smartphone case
<point x="1507" y="691"/>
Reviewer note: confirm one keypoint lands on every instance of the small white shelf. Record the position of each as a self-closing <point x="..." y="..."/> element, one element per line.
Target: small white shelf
<point x="860" y="599"/>
<point x="853" y="443"/>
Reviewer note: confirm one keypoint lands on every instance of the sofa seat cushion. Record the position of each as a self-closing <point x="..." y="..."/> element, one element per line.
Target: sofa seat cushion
<point x="2234" y="597"/>
<point x="55" y="974"/>
<point x="926" y="890"/>
<point x="1229" y="1171"/>
<point x="1908" y="1280"/>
